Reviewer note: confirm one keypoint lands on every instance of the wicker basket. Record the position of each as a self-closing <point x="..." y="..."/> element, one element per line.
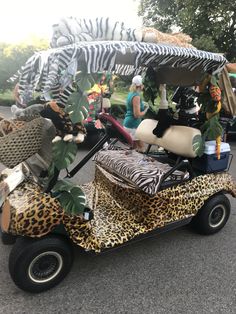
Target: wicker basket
<point x="23" y="141"/>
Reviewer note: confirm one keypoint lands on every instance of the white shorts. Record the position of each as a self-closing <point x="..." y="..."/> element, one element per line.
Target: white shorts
<point x="131" y="133"/>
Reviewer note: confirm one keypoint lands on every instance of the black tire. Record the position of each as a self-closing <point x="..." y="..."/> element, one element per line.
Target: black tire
<point x="213" y="216"/>
<point x="8" y="239"/>
<point x="38" y="265"/>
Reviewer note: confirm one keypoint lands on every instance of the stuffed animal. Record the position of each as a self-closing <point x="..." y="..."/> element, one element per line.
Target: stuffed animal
<point x="71" y="30"/>
<point x="65" y="129"/>
<point x="163" y="116"/>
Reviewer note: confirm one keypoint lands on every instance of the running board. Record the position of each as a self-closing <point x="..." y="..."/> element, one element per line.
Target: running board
<point x="168" y="227"/>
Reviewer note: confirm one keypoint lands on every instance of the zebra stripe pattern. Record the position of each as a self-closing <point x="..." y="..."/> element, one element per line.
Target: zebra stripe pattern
<point x="144" y="172"/>
<point x="44" y="70"/>
<point x="70" y="30"/>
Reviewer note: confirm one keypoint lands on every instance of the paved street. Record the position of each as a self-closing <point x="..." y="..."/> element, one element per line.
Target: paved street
<point x="176" y="272"/>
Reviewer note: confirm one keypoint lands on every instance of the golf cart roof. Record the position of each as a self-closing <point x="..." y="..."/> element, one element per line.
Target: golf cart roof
<point x="175" y="65"/>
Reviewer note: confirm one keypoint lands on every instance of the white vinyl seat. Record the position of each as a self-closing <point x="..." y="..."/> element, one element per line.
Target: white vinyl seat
<point x="176" y="139"/>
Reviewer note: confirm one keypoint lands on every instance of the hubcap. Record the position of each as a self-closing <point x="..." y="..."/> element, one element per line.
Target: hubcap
<point x="217" y="216"/>
<point x="45" y="267"/>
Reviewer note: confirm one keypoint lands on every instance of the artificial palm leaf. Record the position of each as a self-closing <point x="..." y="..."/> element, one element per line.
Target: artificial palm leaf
<point x="63" y="153"/>
<point x="71" y="197"/>
<point x="198" y="145"/>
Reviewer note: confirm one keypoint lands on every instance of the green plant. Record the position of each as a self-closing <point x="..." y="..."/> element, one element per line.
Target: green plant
<point x="198" y="145"/>
<point x="64" y="154"/>
<point x="70" y="196"/>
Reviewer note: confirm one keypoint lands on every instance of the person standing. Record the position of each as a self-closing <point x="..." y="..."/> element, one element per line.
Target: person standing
<point x="135" y="110"/>
<point x="19" y="103"/>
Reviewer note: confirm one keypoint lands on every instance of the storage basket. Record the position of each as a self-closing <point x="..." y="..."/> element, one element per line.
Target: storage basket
<point x="23" y="141"/>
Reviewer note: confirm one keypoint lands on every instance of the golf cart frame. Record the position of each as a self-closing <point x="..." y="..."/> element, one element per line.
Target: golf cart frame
<point x="118" y="211"/>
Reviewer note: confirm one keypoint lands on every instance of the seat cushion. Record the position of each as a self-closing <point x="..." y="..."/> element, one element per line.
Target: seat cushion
<point x="140" y="170"/>
<point x="176" y="139"/>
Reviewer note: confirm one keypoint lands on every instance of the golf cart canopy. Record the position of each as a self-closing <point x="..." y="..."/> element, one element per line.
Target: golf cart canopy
<point x="54" y="68"/>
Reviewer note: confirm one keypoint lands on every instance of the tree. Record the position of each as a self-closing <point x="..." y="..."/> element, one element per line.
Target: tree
<point x="13" y="56"/>
<point x="212" y="25"/>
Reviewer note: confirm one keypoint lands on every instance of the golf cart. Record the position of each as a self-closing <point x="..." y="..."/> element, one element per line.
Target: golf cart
<point x="133" y="195"/>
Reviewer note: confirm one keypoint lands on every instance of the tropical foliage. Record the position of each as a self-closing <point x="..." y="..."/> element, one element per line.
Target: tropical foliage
<point x="70" y="196"/>
<point x="212" y="25"/>
<point x="14" y="56"/>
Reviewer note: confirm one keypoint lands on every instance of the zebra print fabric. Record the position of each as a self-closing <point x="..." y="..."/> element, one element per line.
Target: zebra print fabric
<point x="141" y="171"/>
<point x="71" y="30"/>
<point x="49" y="70"/>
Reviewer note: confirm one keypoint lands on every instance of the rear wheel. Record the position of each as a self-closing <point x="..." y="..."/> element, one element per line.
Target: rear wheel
<point x="38" y="265"/>
<point x="213" y="216"/>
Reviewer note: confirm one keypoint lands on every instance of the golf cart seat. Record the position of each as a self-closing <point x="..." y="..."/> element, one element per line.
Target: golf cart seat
<point x="139" y="170"/>
<point x="176" y="139"/>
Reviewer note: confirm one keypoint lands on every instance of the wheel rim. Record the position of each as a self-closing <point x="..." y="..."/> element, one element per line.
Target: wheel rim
<point x="45" y="267"/>
<point x="217" y="216"/>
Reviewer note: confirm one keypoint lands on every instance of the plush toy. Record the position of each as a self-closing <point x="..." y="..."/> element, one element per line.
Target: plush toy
<point x="65" y="129"/>
<point x="163" y="116"/>
<point x="28" y="113"/>
<point x="72" y="30"/>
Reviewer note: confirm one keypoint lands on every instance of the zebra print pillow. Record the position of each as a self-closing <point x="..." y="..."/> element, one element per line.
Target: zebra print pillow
<point x="142" y="171"/>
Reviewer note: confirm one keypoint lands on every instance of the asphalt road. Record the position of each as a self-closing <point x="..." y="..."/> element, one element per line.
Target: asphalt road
<point x="176" y="272"/>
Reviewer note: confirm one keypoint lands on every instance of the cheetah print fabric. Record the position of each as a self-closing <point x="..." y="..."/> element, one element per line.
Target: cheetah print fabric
<point x="33" y="213"/>
<point x="121" y="212"/>
<point x="61" y="120"/>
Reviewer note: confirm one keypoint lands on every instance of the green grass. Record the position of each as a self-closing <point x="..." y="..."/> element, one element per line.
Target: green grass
<point x="119" y="97"/>
<point x="6" y="98"/>
<point x="7" y="95"/>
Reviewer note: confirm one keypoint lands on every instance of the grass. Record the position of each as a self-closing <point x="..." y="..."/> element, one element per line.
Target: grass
<point x="6" y="98"/>
<point x="119" y="97"/>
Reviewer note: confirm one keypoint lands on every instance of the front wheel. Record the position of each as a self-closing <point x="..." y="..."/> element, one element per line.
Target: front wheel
<point x="213" y="216"/>
<point x="38" y="265"/>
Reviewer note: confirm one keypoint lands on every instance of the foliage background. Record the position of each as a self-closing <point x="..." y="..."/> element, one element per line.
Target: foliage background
<point x="212" y="25"/>
<point x="13" y="56"/>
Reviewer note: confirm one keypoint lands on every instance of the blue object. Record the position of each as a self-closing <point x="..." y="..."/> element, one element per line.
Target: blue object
<point x="130" y="121"/>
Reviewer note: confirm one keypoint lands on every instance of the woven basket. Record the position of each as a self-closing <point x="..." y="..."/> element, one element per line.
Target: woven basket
<point x="23" y="141"/>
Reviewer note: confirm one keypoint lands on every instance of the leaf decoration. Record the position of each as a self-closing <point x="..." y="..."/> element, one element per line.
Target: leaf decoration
<point x="84" y="81"/>
<point x="63" y="153"/>
<point x="198" y="145"/>
<point x="214" y="80"/>
<point x="212" y="128"/>
<point x="77" y="109"/>
<point x="70" y="196"/>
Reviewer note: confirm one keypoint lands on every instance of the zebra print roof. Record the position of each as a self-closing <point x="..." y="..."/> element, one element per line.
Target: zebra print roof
<point x="54" y="68"/>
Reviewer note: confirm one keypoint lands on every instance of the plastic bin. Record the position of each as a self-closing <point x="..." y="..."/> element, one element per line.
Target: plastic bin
<point x="208" y="162"/>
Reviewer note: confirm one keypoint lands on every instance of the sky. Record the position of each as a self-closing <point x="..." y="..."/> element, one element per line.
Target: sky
<point x="22" y="19"/>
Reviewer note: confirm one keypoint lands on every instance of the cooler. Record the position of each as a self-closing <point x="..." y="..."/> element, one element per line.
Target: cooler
<point x="208" y="162"/>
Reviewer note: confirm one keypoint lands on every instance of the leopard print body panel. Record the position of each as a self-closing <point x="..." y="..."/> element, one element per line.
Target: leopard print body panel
<point x="121" y="212"/>
<point x="33" y="213"/>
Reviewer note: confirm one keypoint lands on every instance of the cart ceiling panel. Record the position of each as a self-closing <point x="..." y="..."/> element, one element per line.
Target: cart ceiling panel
<point x="52" y="67"/>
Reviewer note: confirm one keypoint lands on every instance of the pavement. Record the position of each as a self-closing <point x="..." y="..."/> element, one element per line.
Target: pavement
<point x="176" y="272"/>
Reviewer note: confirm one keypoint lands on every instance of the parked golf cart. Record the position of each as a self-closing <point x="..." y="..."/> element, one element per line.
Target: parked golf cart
<point x="133" y="195"/>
